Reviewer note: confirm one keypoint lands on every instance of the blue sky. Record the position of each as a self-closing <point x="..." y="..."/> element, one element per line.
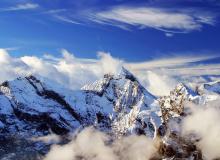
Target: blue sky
<point x="130" y="30"/>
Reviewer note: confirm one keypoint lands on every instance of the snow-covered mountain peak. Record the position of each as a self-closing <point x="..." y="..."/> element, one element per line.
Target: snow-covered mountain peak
<point x="117" y="103"/>
<point x="132" y="104"/>
<point x="122" y="81"/>
<point x="101" y="84"/>
<point x="211" y="87"/>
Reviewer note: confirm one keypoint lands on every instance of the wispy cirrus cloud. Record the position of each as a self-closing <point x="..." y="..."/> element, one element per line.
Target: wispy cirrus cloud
<point x="166" y="20"/>
<point x="169" y="62"/>
<point x="54" y="11"/>
<point x="25" y="6"/>
<point x="65" y="19"/>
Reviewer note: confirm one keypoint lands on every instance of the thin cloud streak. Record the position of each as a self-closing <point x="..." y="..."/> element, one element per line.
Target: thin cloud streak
<point x="25" y="6"/>
<point x="65" y="19"/>
<point x="212" y="69"/>
<point x="169" y="62"/>
<point x="54" y="11"/>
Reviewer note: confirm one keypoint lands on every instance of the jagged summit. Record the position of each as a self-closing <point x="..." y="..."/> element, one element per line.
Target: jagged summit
<point x="99" y="85"/>
<point x="127" y="74"/>
<point x="129" y="99"/>
<point x="173" y="105"/>
<point x="116" y="81"/>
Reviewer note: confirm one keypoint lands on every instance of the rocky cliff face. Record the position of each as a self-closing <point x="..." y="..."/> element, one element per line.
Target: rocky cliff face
<point x="173" y="145"/>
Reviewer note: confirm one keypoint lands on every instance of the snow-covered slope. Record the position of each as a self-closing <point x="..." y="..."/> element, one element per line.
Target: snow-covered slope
<point x="28" y="107"/>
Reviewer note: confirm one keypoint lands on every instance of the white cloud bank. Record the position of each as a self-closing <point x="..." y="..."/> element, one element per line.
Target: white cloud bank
<point x="94" y="145"/>
<point x="158" y="76"/>
<point x="67" y="70"/>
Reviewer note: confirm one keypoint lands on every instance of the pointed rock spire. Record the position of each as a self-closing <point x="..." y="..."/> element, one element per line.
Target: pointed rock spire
<point x="127" y="74"/>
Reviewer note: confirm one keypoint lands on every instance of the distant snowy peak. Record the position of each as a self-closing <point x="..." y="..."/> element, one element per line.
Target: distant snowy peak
<point x="173" y="104"/>
<point x="211" y="87"/>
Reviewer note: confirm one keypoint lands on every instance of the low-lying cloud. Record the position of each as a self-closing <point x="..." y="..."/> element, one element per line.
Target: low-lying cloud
<point x="91" y="144"/>
<point x="204" y="122"/>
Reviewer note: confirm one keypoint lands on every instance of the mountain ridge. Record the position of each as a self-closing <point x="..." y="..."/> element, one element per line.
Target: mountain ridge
<point x="116" y="104"/>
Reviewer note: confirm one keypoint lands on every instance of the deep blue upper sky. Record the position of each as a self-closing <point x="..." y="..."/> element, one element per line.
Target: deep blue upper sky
<point x="131" y="30"/>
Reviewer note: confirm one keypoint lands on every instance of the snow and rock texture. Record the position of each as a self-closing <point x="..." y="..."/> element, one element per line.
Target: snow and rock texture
<point x="28" y="107"/>
<point x="132" y="108"/>
<point x="173" y="144"/>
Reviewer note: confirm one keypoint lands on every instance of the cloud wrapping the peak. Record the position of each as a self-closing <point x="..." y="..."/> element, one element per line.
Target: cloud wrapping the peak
<point x="11" y="67"/>
<point x="109" y="64"/>
<point x="67" y="70"/>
